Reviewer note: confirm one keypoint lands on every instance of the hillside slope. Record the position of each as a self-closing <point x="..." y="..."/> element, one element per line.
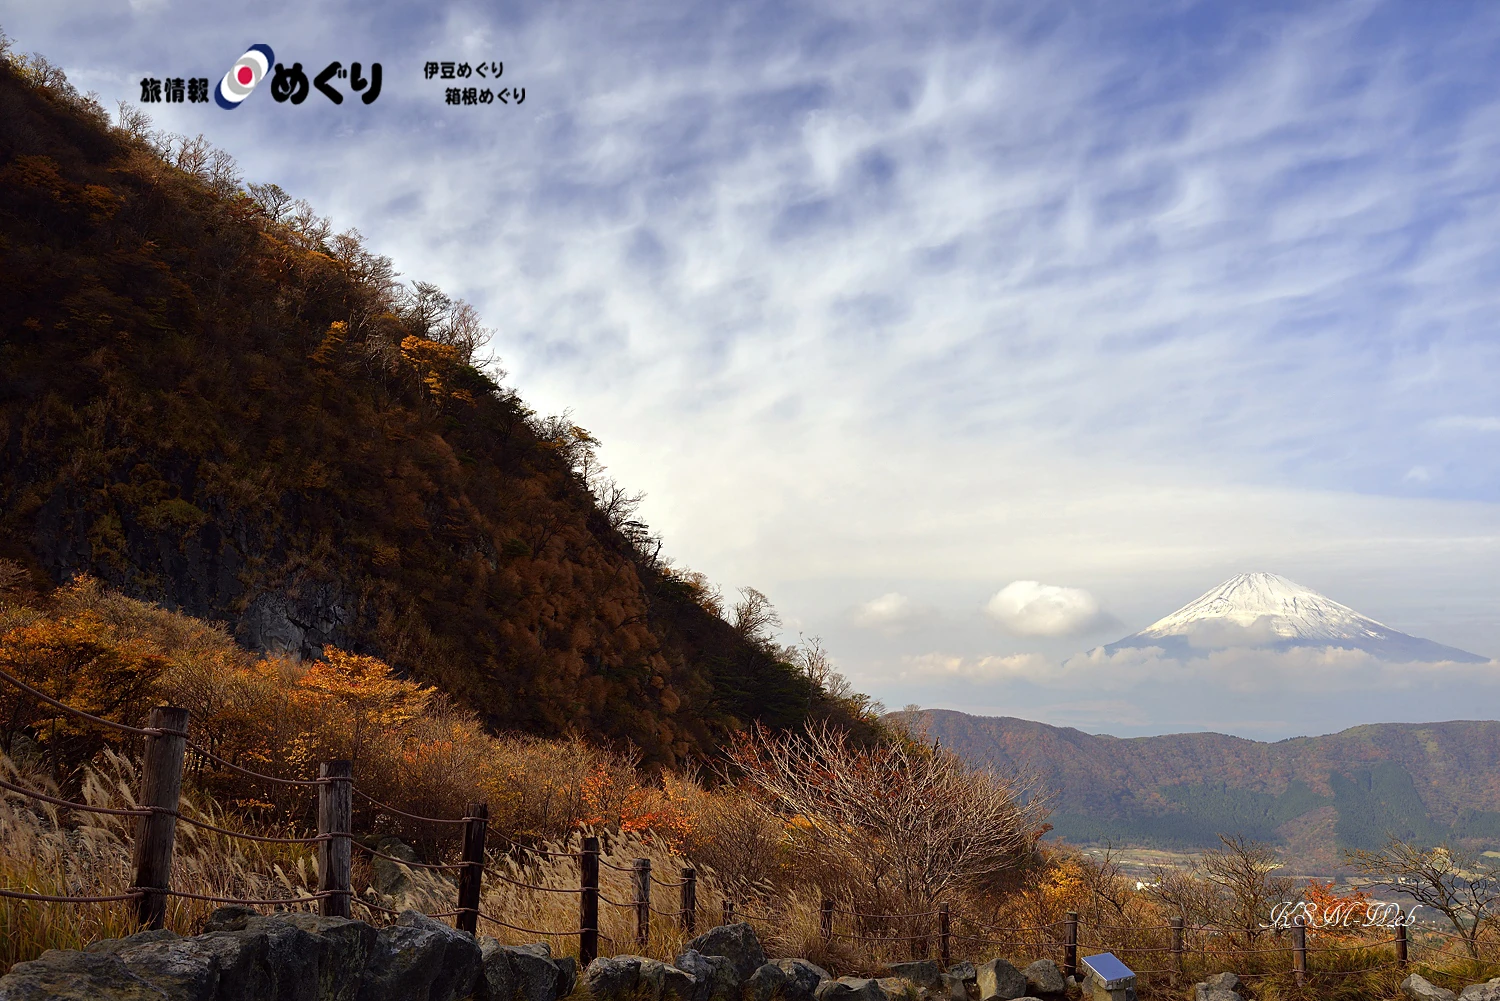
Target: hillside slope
<point x="1428" y="781"/>
<point x="215" y="403"/>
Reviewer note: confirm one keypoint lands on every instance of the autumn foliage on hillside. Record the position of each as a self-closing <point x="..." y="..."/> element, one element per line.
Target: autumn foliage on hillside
<point x="212" y="400"/>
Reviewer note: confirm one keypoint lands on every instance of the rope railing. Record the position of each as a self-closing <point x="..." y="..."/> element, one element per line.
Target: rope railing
<point x="488" y="871"/>
<point x="414" y="865"/>
<point x="87" y="808"/>
<point x="410" y="816"/>
<point x="530" y="931"/>
<point x="54" y="899"/>
<point x="134" y="731"/>
<point x="210" y="755"/>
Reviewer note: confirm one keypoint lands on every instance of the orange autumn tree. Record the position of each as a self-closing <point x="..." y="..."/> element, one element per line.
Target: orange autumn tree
<point x="77" y="659"/>
<point x="358" y="693"/>
<point x="1335" y="915"/>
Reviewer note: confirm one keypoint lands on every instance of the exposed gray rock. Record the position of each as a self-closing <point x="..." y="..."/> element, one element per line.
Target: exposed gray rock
<point x="114" y="945"/>
<point x="419" y="959"/>
<point x="567" y="974"/>
<point x="677" y="985"/>
<point x="537" y="975"/>
<point x="66" y="975"/>
<point x="851" y="989"/>
<point x="1419" y="988"/>
<point x="231" y="918"/>
<point x="802" y="978"/>
<point x="1043" y="977"/>
<point x="314" y="958"/>
<point x="898" y="987"/>
<point x="1219" y="987"/>
<point x="181" y="968"/>
<point x="1480" y="992"/>
<point x="999" y="981"/>
<point x="497" y="981"/>
<point x="766" y="983"/>
<point x="714" y="977"/>
<point x="386" y="876"/>
<point x="924" y="973"/>
<point x="611" y="977"/>
<point x="245" y="972"/>
<point x="737" y="942"/>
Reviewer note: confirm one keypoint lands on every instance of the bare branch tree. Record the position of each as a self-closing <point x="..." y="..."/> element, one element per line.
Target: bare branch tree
<point x="755" y="616"/>
<point x="904" y="824"/>
<point x="1245" y="871"/>
<point x="1461" y="885"/>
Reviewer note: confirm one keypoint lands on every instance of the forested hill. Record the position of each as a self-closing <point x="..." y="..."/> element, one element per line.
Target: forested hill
<point x="210" y="400"/>
<point x="1312" y="794"/>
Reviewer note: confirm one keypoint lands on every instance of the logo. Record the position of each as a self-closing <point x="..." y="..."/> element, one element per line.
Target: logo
<point x="242" y="77"/>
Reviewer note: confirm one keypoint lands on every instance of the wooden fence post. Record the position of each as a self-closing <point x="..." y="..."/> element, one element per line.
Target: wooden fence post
<point x="826" y="920"/>
<point x="729" y="912"/>
<point x="336" y="855"/>
<point x="588" y="904"/>
<point x="161" y="788"/>
<point x="472" y="874"/>
<point x="1070" y="945"/>
<point x="1401" y="942"/>
<point x="642" y="903"/>
<point x="1299" y="948"/>
<point x="1177" y="944"/>
<point x="944" y="929"/>
<point x="689" y="900"/>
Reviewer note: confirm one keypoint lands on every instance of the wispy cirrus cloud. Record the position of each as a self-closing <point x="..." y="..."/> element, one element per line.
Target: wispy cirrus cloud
<point x="872" y="295"/>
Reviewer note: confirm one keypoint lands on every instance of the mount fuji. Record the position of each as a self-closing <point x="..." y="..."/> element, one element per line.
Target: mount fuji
<point x="1267" y="611"/>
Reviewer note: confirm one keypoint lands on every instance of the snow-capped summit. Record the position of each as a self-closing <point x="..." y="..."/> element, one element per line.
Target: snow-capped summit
<point x="1266" y="610"/>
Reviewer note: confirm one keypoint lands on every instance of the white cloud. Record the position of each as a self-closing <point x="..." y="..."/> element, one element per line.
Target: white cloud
<point x="1031" y="608"/>
<point x="891" y="613"/>
<point x="1417" y="474"/>
<point x="936" y="667"/>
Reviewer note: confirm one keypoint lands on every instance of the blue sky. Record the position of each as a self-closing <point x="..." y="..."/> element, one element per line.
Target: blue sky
<point x="887" y="307"/>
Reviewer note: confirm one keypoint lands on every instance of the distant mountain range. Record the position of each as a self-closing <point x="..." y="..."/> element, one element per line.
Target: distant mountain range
<point x="1313" y="795"/>
<point x="1267" y="611"/>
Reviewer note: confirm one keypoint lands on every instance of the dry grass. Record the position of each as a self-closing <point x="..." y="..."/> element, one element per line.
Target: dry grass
<point x="50" y="850"/>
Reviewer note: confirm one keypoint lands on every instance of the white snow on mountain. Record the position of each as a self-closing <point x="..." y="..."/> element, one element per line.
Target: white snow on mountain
<point x="1270" y="611"/>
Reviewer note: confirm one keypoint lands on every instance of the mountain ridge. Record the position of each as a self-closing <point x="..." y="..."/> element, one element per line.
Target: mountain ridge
<point x="1428" y="780"/>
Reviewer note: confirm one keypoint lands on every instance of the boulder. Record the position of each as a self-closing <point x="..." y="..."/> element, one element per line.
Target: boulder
<point x="1219" y="987"/>
<point x="311" y="957"/>
<point x="245" y="972"/>
<point x="1043" y="977"/>
<point x="181" y="968"/>
<point x="66" y="975"/>
<point x="388" y="878"/>
<point x="231" y="918"/>
<point x="1419" y="988"/>
<point x="851" y="989"/>
<point x="497" y="979"/>
<point x="737" y="942"/>
<point x="419" y="959"/>
<point x="537" y="975"/>
<point x="567" y="974"/>
<point x="768" y="982"/>
<point x="999" y="981"/>
<point x="1480" y="992"/>
<point x="611" y="977"/>
<point x="714" y="978"/>
<point x="960" y="980"/>
<point x="802" y="978"/>
<point x="924" y="973"/>
<point x="899" y="987"/>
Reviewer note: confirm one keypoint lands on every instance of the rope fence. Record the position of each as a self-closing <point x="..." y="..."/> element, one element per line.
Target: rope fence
<point x="159" y="811"/>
